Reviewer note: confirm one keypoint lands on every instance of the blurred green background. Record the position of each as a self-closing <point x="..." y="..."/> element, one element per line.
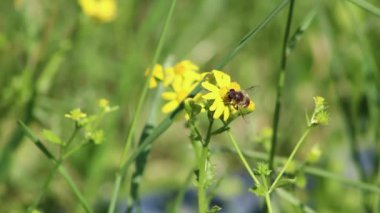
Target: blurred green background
<point x="54" y="58"/>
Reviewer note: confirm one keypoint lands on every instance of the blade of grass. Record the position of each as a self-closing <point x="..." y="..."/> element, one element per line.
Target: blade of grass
<point x="280" y="85"/>
<point x="250" y="35"/>
<point x="123" y="159"/>
<point x="141" y="159"/>
<point x="289" y="45"/>
<point x="61" y="169"/>
<point x="366" y="6"/>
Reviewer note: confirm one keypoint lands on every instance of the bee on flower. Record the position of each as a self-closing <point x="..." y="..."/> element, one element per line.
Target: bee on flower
<point x="226" y="96"/>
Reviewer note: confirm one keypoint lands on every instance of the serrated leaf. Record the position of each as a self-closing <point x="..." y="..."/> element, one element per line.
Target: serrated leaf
<point x="51" y="137"/>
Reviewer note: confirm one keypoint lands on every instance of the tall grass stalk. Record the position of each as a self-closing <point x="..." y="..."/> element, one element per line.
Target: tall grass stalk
<point x="123" y="160"/>
<point x="280" y="85"/>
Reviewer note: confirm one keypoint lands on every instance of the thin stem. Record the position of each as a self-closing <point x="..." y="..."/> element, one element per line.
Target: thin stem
<point x="267" y="194"/>
<point x="280" y="85"/>
<point x="75" y="189"/>
<point x="314" y="171"/>
<point x="290" y="158"/>
<point x="268" y="201"/>
<point x="202" y="200"/>
<point x="202" y="165"/>
<point x="146" y="85"/>
<point x="123" y="160"/>
<point x="56" y="162"/>
<point x="242" y="158"/>
<point x="115" y="193"/>
<point x="44" y="188"/>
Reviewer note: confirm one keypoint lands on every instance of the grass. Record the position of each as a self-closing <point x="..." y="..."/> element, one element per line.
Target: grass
<point x="55" y="60"/>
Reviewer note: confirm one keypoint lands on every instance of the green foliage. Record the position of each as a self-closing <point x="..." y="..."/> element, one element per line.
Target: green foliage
<point x="53" y="60"/>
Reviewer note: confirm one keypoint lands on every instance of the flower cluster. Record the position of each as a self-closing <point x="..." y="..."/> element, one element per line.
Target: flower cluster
<point x="100" y="10"/>
<point x="179" y="80"/>
<point x="223" y="97"/>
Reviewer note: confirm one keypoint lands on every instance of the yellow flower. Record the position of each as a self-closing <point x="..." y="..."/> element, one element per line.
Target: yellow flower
<point x="101" y="10"/>
<point x="181" y="89"/>
<point x="103" y="103"/>
<point x="158" y="74"/>
<point x="184" y="69"/>
<point x="220" y="87"/>
<point x="76" y="115"/>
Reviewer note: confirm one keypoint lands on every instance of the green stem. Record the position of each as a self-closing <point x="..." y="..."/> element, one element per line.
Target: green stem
<point x="313" y="171"/>
<point x="242" y="158"/>
<point x="268" y="201"/>
<point x="74" y="149"/>
<point x="267" y="194"/>
<point x="44" y="188"/>
<point x="75" y="189"/>
<point x="57" y="163"/>
<point x="115" y="193"/>
<point x="280" y="85"/>
<point x="202" y="200"/>
<point x="290" y="158"/>
<point x="202" y="165"/>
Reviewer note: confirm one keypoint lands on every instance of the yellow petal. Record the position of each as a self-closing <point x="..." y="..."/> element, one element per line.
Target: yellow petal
<point x="158" y="72"/>
<point x="222" y="79"/>
<point x="210" y="96"/>
<point x="169" y="106"/>
<point x="226" y="113"/>
<point x="152" y="83"/>
<point x="218" y="112"/>
<point x="210" y="87"/>
<point x="177" y="84"/>
<point x="215" y="105"/>
<point x="169" y="95"/>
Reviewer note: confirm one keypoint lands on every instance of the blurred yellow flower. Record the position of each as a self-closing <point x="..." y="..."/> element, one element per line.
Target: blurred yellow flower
<point x="158" y="74"/>
<point x="76" y="115"/>
<point x="101" y="10"/>
<point x="223" y="92"/>
<point x="184" y="69"/>
<point x="181" y="89"/>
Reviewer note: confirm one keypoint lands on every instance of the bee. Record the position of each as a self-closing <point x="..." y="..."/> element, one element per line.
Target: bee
<point x="237" y="99"/>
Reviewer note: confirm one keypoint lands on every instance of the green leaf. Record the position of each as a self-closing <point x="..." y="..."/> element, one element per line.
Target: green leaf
<point x="51" y="137"/>
<point x="285" y="182"/>
<point x="214" y="209"/>
<point x="259" y="190"/>
<point x="366" y="6"/>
